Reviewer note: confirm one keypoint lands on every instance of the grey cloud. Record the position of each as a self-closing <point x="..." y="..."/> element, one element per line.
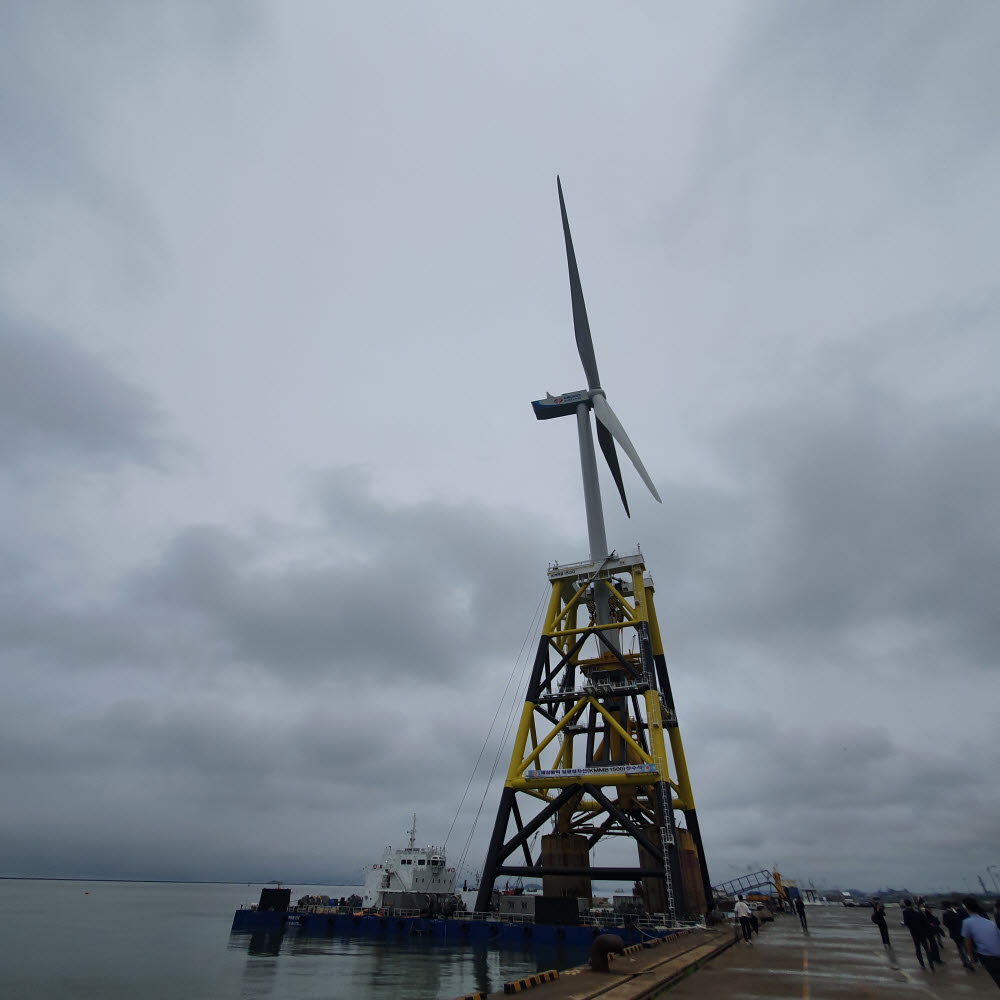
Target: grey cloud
<point x="362" y="599"/>
<point x="58" y="399"/>
<point x="167" y="768"/>
<point x="882" y="511"/>
<point x="174" y="672"/>
<point x="191" y="701"/>
<point x="833" y="119"/>
<point x="858" y="508"/>
<point x="856" y="801"/>
<point x="59" y="57"/>
<point x="63" y="188"/>
<point x="425" y="587"/>
<point x="887" y="69"/>
<point x="414" y="591"/>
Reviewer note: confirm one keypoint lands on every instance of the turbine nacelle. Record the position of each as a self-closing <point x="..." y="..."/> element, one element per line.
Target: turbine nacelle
<point x="560" y="406"/>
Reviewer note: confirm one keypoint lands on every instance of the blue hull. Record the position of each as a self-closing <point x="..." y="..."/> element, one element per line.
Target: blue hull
<point x="499" y="932"/>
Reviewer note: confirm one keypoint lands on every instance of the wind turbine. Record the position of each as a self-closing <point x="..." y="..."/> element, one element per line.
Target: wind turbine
<point x="597" y="751"/>
<point x="609" y="428"/>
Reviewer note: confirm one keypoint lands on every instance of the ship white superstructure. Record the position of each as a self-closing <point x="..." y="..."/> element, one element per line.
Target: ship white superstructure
<point x="408" y="869"/>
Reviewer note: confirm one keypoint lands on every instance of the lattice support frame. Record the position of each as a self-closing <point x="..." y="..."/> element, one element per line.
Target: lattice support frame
<point x="598" y="751"/>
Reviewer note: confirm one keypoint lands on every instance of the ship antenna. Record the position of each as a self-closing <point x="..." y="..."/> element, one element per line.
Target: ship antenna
<point x="413" y="831"/>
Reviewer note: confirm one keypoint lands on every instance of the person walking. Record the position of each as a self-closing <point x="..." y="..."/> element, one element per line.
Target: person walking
<point x="952" y="918"/>
<point x="800" y="909"/>
<point x="935" y="935"/>
<point x="878" y="918"/>
<point x="982" y="938"/>
<point x="916" y="924"/>
<point x="741" y="912"/>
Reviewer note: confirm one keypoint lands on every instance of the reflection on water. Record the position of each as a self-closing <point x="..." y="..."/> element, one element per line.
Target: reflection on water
<point x="373" y="968"/>
<point x="261" y="942"/>
<point x="165" y="941"/>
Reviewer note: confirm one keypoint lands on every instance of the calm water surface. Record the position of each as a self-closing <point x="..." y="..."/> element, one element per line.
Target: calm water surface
<point x="168" y="941"/>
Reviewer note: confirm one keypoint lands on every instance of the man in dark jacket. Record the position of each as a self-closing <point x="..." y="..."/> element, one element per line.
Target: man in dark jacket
<point x="878" y="918"/>
<point x="952" y="919"/>
<point x="934" y="932"/>
<point x="800" y="909"/>
<point x="916" y="924"/>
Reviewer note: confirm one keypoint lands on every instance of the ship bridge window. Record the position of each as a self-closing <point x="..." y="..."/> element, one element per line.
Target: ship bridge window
<point x="421" y="862"/>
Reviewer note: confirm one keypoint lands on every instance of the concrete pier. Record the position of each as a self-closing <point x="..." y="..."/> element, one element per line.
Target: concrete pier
<point x="841" y="957"/>
<point x="641" y="972"/>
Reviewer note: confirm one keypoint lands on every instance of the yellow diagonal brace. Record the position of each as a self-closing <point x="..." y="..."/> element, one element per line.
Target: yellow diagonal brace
<point x="565" y="756"/>
<point x="553" y="608"/>
<point x="617" y="726"/>
<point x="570" y="606"/>
<point x="521" y="740"/>
<point x="538" y="793"/>
<point x="558" y="728"/>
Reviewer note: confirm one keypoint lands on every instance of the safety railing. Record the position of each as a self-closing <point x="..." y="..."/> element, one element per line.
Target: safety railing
<point x="351" y="911"/>
<point x="497" y="918"/>
<point x="644" y="922"/>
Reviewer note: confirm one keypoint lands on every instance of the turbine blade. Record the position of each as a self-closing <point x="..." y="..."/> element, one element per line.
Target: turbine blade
<point x="606" y="416"/>
<point x="607" y="443"/>
<point x="584" y="343"/>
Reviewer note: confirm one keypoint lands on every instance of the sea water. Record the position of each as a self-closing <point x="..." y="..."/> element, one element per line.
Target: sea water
<point x="169" y="940"/>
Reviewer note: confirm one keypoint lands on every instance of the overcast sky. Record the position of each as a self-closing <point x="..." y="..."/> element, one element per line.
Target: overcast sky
<point x="279" y="282"/>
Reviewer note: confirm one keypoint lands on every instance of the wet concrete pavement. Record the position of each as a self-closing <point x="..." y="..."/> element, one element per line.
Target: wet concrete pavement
<point x="841" y="957"/>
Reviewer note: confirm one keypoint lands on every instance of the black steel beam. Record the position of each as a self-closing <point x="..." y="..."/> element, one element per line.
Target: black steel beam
<point x="601" y="831"/>
<point x="532" y="825"/>
<point x="642" y="726"/>
<point x="694" y="829"/>
<point x="520" y="828"/>
<point x="566" y="660"/>
<point x="540" y="664"/>
<point x="629" y="668"/>
<point x="636" y="832"/>
<point x="493" y="853"/>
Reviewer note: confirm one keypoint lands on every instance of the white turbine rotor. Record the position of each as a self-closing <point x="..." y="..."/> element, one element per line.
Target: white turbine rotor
<point x="604" y="413"/>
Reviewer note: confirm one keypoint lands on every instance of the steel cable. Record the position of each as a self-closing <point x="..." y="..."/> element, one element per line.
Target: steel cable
<point x="532" y="630"/>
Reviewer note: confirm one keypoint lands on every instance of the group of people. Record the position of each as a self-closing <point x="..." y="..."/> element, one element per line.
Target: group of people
<point x="747" y="919"/>
<point x="976" y="937"/>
